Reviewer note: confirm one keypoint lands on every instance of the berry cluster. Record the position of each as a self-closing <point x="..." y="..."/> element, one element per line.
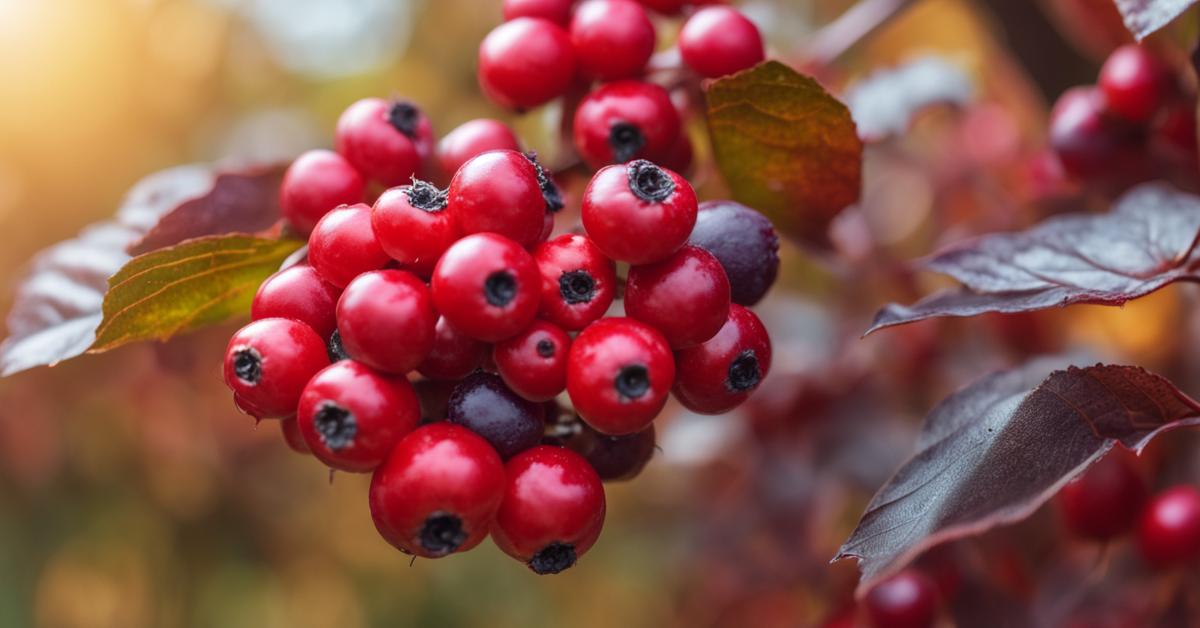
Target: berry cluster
<point x="1135" y="115"/>
<point x="545" y="48"/>
<point x="430" y="336"/>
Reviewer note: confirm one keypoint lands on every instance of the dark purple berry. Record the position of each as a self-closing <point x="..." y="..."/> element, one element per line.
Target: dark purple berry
<point x="613" y="457"/>
<point x="745" y="243"/>
<point x="484" y="404"/>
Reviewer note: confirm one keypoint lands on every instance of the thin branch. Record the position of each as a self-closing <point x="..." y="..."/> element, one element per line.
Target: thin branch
<point x="851" y="27"/>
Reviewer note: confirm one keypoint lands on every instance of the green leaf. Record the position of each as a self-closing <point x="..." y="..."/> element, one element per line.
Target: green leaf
<point x="195" y="283"/>
<point x="786" y="147"/>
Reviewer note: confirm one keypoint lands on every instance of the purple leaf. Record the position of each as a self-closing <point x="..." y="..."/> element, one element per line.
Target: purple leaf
<point x="995" y="451"/>
<point x="1146" y="242"/>
<point x="884" y="103"/>
<point x="1143" y="17"/>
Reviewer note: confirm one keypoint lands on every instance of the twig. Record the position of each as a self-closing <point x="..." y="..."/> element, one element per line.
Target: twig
<point x="838" y="36"/>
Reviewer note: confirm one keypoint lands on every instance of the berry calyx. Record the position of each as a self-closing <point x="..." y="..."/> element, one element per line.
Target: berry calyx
<point x="473" y="138"/>
<point x="499" y="192"/>
<point x="685" y="296"/>
<point x="413" y="225"/>
<point x="638" y="212"/>
<point x="316" y="182"/>
<point x="386" y="141"/>
<point x="268" y="362"/>
<point x="578" y="281"/>
<point x="487" y="286"/>
<point x="716" y="41"/>
<point x="486" y="406"/>
<point x="534" y="362"/>
<point x="1168" y="533"/>
<point x="386" y="320"/>
<point x="343" y="245"/>
<point x="553" y="509"/>
<point x="526" y="62"/>
<point x="745" y="243"/>
<point x="613" y="39"/>
<point x="300" y="294"/>
<point x="619" y="373"/>
<point x="1106" y="499"/>
<point x="625" y="120"/>
<point x="438" y="491"/>
<point x="718" y="375"/>
<point x="906" y="600"/>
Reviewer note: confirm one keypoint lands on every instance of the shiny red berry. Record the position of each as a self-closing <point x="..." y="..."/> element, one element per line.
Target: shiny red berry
<point x="625" y="120"/>
<point x="613" y="39"/>
<point x="1105" y="500"/>
<point x="482" y="403"/>
<point x="351" y="416"/>
<point x="292" y="436"/>
<point x="315" y="183"/>
<point x="906" y="600"/>
<point x="615" y="458"/>
<point x="526" y="62"/>
<point x="268" y="362"/>
<point x="552" y="511"/>
<point x="716" y="41"/>
<point x="1168" y="533"/>
<point x="472" y="138"/>
<point x="619" y="373"/>
<point x="487" y="286"/>
<point x="638" y="212"/>
<point x="454" y="354"/>
<point x="1135" y="83"/>
<point x="386" y="141"/>
<point x="1088" y="141"/>
<point x="413" y="225"/>
<point x="343" y="245"/>
<point x="718" y="375"/>
<point x="745" y="243"/>
<point x="300" y="294"/>
<point x="438" y="491"/>
<point x="685" y="296"/>
<point x="578" y="281"/>
<point x="386" y="320"/>
<point x="534" y="362"/>
<point x="557" y="11"/>
<point x="501" y="192"/>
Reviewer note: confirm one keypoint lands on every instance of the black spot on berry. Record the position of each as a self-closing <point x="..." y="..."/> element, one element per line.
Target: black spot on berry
<point x="335" y="425"/>
<point x="442" y="533"/>
<point x="625" y="140"/>
<point x="632" y="381"/>
<point x="404" y="116"/>
<point x="553" y="558"/>
<point x="649" y="182"/>
<point x="500" y="288"/>
<point x="744" y="373"/>
<point x="247" y="365"/>
<point x="576" y="286"/>
<point x="425" y="196"/>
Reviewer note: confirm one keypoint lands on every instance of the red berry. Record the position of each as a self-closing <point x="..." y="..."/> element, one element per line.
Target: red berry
<point x="413" y="226"/>
<point x="315" y="183"/>
<point x="483" y="404"/>
<point x="619" y="373"/>
<point x="300" y="294"/>
<point x="686" y="296"/>
<point x="745" y="243"/>
<point x="625" y="120"/>
<point x="552" y="511"/>
<point x="1174" y="132"/>
<point x="717" y="41"/>
<point x="499" y="192"/>
<point x="906" y="600"/>
<point x="268" y="362"/>
<point x="487" y="286"/>
<point x="557" y="11"/>
<point x="613" y="39"/>
<point x="534" y="362"/>
<point x="716" y="376"/>
<point x="472" y="138"/>
<point x="454" y="354"/>
<point x="292" y="436"/>
<point x="679" y="158"/>
<point x="343" y="245"/>
<point x="525" y="63"/>
<point x="249" y="409"/>
<point x="1105" y="500"/>
<point x="352" y="416"/>
<point x="1135" y="83"/>
<point x="386" y="141"/>
<point x="638" y="213"/>
<point x="614" y="458"/>
<point x="438" y="491"/>
<point x="665" y="7"/>
<point x="386" y="320"/>
<point x="578" y="281"/>
<point x="1168" y="533"/>
<point x="1089" y="143"/>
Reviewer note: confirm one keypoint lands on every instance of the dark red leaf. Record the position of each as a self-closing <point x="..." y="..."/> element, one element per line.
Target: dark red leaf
<point x="1147" y="241"/>
<point x="995" y="451"/>
<point x="1143" y="17"/>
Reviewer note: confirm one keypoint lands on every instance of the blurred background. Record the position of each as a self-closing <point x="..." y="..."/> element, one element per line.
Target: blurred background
<point x="133" y="494"/>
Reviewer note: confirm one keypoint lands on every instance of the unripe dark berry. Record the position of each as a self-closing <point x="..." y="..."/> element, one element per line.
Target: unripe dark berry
<point x="343" y="245"/>
<point x="619" y="374"/>
<point x="615" y="458"/>
<point x="1106" y="499"/>
<point x="501" y="192"/>
<point x="578" y="281"/>
<point x="268" y="362"/>
<point x="526" y="62"/>
<point x="351" y="416"/>
<point x="300" y="294"/>
<point x="473" y="138"/>
<point x="685" y="296"/>
<point x="386" y="141"/>
<point x="557" y="11"/>
<point x="1088" y="141"/>
<point x="1134" y="82"/>
<point x="613" y="39"/>
<point x="745" y="243"/>
<point x="386" y="320"/>
<point x="483" y="404"/>
<point x="1168" y="533"/>
<point x="625" y="120"/>
<point x="906" y="600"/>
<point x="413" y="225"/>
<point x="552" y="511"/>
<point x="638" y="212"/>
<point x="487" y="286"/>
<point x="454" y="354"/>
<point x="315" y="183"/>
<point x="716" y="41"/>
<point x="438" y="491"/>
<point x="720" y="374"/>
<point x="534" y="362"/>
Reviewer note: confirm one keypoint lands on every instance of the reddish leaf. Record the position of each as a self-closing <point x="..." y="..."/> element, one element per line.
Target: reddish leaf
<point x="995" y="451"/>
<point x="1145" y="243"/>
<point x="885" y="102"/>
<point x="1143" y="17"/>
